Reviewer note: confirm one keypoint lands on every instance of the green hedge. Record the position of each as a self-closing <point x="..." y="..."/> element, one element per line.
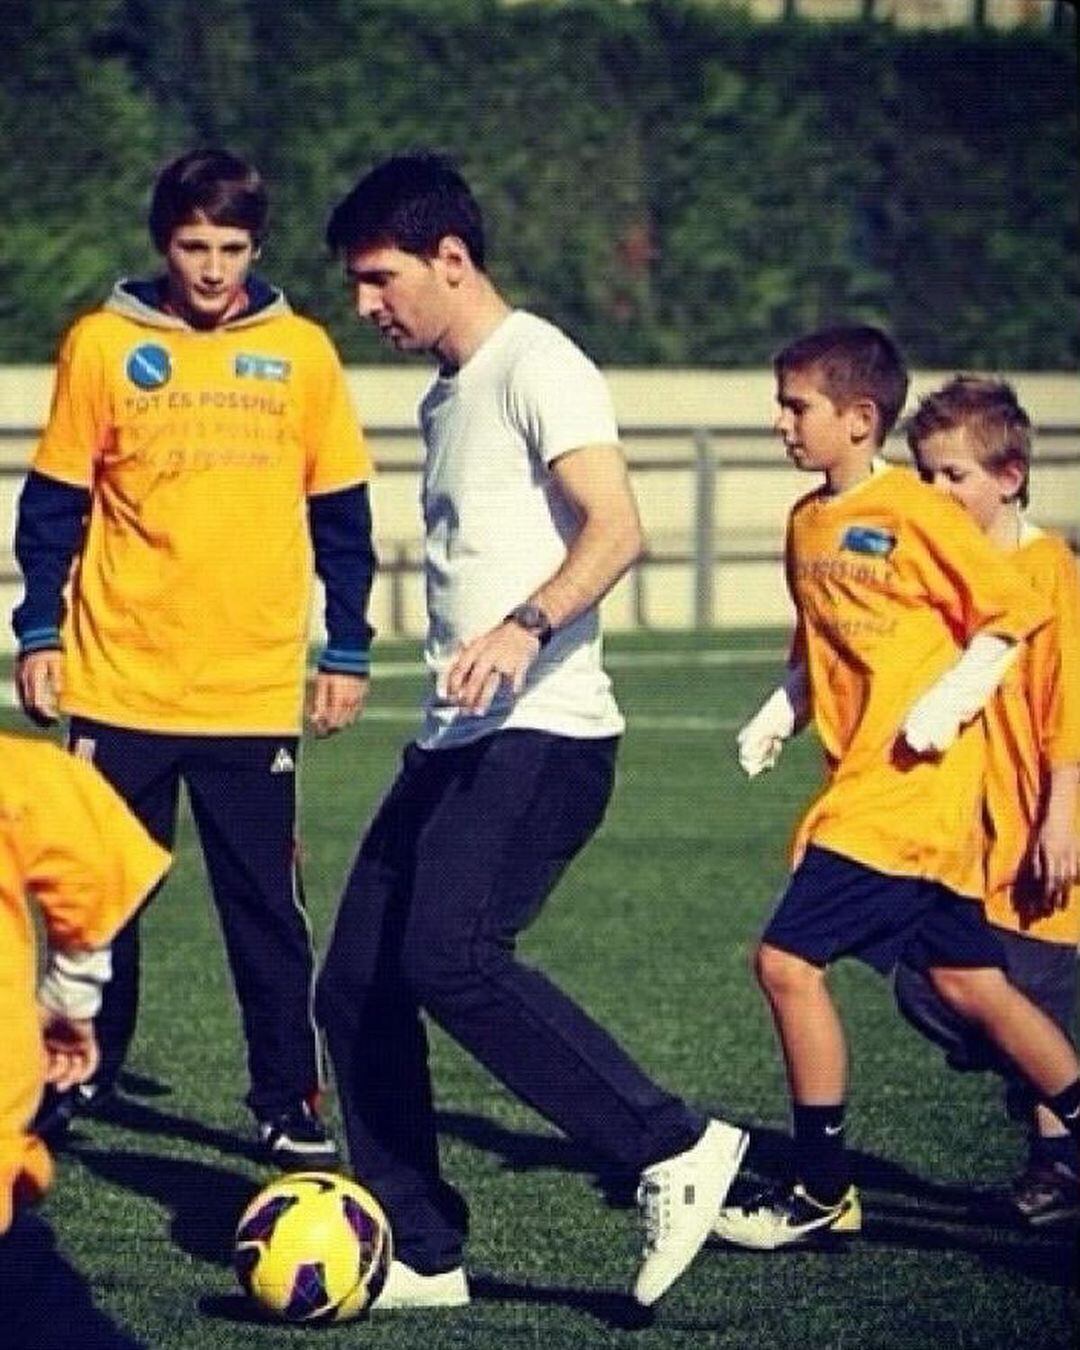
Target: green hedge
<point x="674" y="184"/>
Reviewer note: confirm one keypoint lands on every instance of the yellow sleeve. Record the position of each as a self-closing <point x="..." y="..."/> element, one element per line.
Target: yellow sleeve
<point x="79" y="419"/>
<point x="88" y="862"/>
<point x="337" y="453"/>
<point x="1060" y="731"/>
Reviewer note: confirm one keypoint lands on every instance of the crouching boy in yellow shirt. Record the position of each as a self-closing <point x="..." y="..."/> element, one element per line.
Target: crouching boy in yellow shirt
<point x="68" y="841"/>
<point x="906" y="618"/>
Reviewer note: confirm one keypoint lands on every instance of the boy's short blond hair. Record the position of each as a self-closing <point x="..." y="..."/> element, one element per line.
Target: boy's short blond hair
<point x="992" y="414"/>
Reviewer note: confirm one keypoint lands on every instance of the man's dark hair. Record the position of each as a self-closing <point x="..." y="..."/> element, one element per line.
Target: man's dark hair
<point x="410" y="202"/>
<point x="851" y="362"/>
<point x="214" y="184"/>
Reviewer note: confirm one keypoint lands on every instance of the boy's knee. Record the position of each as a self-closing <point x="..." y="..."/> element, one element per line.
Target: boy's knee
<point x="970" y="991"/>
<point x="783" y="973"/>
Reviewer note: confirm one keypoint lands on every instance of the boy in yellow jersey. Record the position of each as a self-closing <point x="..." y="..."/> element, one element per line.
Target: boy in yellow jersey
<point x="200" y="461"/>
<point x="972" y="439"/>
<point x="67" y="841"/>
<point x="905" y="620"/>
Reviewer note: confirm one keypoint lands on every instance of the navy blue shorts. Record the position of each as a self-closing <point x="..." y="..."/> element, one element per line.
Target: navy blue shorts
<point x="835" y="907"/>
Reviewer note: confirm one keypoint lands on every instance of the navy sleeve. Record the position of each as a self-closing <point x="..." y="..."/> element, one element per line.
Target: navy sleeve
<point x="48" y="533"/>
<point x="340" y="524"/>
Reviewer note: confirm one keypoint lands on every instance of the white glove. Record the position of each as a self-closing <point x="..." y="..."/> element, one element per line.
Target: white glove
<point x="71" y="985"/>
<point x="935" y="718"/>
<point x="763" y="737"/>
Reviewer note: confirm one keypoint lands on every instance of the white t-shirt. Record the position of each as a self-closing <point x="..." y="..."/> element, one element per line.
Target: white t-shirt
<point x="498" y="527"/>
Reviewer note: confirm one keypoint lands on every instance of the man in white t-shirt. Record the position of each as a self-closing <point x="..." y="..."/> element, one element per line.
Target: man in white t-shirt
<point x="529" y="521"/>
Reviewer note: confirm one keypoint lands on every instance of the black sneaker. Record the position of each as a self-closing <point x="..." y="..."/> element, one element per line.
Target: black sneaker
<point x="297" y="1138"/>
<point x="1046" y="1193"/>
<point x="52" y="1123"/>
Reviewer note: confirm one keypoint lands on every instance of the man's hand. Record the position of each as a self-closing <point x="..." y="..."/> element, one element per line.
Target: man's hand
<point x="473" y="677"/>
<point x="71" y="1050"/>
<point x="337" y="700"/>
<point x="39" y="679"/>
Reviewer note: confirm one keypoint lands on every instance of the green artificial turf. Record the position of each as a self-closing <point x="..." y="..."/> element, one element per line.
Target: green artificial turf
<point x="652" y="929"/>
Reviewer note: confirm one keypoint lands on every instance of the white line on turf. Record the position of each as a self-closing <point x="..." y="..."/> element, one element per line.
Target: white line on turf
<point x="750" y="656"/>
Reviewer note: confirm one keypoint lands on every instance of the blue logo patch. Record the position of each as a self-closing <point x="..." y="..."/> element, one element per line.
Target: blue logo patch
<point x="149" y="366"/>
<point x="868" y="539"/>
<point x="261" y="367"/>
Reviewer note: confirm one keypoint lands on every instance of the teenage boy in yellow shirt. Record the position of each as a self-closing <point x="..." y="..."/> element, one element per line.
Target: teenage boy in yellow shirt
<point x="905" y="620"/>
<point x="201" y="458"/>
<point x="972" y="439"/>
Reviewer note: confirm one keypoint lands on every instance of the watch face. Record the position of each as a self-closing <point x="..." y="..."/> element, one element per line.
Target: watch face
<point x="533" y="619"/>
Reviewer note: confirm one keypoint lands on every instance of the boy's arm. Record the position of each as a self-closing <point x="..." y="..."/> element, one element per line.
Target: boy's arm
<point x="68" y="998"/>
<point x="785" y="711"/>
<point x="1056" y="858"/>
<point x="48" y="534"/>
<point x="340" y="526"/>
<point x="72" y="983"/>
<point x="935" y="719"/>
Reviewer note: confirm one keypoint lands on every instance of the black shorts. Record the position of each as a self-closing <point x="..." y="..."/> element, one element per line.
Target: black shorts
<point x="835" y="907"/>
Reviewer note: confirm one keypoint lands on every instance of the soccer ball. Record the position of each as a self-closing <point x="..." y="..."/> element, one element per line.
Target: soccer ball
<point x="313" y="1247"/>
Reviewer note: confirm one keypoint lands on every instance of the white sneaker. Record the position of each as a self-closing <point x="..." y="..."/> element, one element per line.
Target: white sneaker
<point x="408" y="1288"/>
<point x="679" y="1199"/>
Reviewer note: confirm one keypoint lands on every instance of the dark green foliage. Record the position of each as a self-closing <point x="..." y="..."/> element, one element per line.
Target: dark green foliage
<point x="674" y="184"/>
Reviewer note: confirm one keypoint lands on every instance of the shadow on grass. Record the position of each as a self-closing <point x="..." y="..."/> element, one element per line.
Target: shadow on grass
<point x="615" y="1310"/>
<point x="901" y="1208"/>
<point x="136" y="1116"/>
<point x="612" y="1307"/>
<point x="204" y="1201"/>
<point x="904" y="1210"/>
<point x="529" y="1151"/>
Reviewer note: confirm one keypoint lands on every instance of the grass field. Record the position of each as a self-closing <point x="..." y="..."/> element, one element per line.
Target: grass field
<point x="651" y="929"/>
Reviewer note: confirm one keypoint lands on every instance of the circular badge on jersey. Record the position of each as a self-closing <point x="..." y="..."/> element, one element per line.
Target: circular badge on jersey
<point x="149" y="366"/>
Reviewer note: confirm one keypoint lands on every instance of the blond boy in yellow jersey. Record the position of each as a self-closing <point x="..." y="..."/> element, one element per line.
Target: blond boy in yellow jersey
<point x="200" y="463"/>
<point x="905" y="620"/>
<point x="972" y="440"/>
<point x="68" y="843"/>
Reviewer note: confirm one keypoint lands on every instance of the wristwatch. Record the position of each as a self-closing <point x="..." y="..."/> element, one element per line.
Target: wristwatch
<point x="533" y="619"/>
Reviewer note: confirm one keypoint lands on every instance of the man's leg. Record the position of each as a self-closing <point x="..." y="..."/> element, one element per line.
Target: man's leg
<point x="375" y="1036"/>
<point x="513" y="810"/>
<point x="243" y="799"/>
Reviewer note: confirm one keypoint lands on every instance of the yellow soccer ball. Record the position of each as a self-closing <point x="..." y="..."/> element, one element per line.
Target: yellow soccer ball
<point x="313" y="1247"/>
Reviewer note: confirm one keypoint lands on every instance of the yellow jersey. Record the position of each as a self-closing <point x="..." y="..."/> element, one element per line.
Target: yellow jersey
<point x="1033" y="725"/>
<point x="890" y="581"/>
<point x="188" y="607"/>
<point x="67" y="839"/>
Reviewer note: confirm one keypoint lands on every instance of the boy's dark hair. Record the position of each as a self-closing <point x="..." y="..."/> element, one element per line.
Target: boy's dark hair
<point x="215" y="184"/>
<point x="852" y="362"/>
<point x="410" y="202"/>
<point x="992" y="414"/>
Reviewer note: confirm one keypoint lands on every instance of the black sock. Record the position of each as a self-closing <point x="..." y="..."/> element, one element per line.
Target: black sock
<point x="821" y="1161"/>
<point x="1066" y="1106"/>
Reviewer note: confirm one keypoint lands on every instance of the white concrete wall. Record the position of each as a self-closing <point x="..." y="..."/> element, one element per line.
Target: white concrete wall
<point x="659" y="411"/>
